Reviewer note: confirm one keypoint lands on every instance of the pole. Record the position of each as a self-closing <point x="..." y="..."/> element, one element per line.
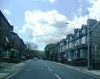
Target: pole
<point x="89" y="56"/>
<point x="88" y="50"/>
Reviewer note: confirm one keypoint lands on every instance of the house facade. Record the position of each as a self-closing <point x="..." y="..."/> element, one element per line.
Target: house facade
<point x="74" y="48"/>
<point x="5" y="29"/>
<point x="11" y="45"/>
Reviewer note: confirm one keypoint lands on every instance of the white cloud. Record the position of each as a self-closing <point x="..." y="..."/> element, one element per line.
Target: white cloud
<point x="94" y="10"/>
<point x="50" y="27"/>
<point x="15" y="27"/>
<point x="52" y="1"/>
<point x="10" y="22"/>
<point x="7" y="11"/>
<point x="45" y="27"/>
<point x="92" y="1"/>
<point x="78" y="21"/>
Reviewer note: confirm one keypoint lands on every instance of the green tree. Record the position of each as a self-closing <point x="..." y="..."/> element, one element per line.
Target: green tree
<point x="47" y="50"/>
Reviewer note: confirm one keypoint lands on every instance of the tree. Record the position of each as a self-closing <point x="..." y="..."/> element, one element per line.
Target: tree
<point x="47" y="50"/>
<point x="31" y="46"/>
<point x="31" y="49"/>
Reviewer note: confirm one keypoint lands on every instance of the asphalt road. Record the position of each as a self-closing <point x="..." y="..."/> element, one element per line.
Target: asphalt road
<point x="40" y="69"/>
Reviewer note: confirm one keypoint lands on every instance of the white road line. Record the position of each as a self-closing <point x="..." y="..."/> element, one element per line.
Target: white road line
<point x="57" y="76"/>
<point x="50" y="69"/>
<point x="71" y="67"/>
<point x="11" y="75"/>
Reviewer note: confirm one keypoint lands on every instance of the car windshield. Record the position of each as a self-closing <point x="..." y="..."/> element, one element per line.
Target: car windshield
<point x="49" y="39"/>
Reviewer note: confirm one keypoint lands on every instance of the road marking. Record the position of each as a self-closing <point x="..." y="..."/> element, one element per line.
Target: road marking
<point x="58" y="76"/>
<point x="79" y="70"/>
<point x="50" y="69"/>
<point x="14" y="73"/>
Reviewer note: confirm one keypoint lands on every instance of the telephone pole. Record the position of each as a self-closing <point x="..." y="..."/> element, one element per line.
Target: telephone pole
<point x="88" y="49"/>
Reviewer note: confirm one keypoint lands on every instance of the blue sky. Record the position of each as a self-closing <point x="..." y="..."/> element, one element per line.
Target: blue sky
<point x="44" y="21"/>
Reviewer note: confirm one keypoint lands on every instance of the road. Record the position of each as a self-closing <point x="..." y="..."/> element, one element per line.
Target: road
<point x="40" y="69"/>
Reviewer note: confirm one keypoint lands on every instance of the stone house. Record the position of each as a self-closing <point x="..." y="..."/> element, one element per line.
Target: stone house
<point x="5" y="29"/>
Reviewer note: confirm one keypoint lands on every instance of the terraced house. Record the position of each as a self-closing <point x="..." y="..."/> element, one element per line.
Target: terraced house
<point x="11" y="45"/>
<point x="5" y="29"/>
<point x="74" y="48"/>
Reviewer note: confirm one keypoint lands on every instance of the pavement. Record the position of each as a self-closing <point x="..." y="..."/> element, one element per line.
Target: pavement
<point x="7" y="69"/>
<point x="82" y="69"/>
<point x="41" y="69"/>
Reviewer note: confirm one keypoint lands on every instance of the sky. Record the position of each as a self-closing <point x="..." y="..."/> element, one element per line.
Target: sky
<point x="48" y="21"/>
